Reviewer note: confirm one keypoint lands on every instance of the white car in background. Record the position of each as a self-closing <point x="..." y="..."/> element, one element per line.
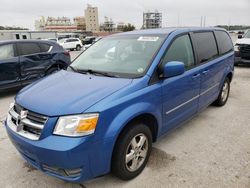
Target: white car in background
<point x="71" y="44"/>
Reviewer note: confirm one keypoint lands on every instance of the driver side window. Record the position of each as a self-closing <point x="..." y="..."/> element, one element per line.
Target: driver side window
<point x="181" y="50"/>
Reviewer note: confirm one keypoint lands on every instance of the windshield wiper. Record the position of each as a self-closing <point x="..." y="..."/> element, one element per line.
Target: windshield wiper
<point x="73" y="68"/>
<point x="90" y="71"/>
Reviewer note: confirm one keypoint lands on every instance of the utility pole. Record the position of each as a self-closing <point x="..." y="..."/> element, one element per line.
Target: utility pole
<point x="205" y="19"/>
<point x="229" y="23"/>
<point x="217" y="21"/>
<point x="178" y="20"/>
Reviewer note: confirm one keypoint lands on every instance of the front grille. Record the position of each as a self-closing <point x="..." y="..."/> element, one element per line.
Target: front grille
<point x="245" y="51"/>
<point x="40" y="119"/>
<point x="70" y="173"/>
<point x="26" y="123"/>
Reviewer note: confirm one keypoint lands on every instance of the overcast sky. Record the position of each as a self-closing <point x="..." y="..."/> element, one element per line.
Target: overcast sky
<point x="175" y="12"/>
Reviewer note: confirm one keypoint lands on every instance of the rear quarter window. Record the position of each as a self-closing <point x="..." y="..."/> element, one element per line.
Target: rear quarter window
<point x="206" y="46"/>
<point x="28" y="48"/>
<point x="45" y="47"/>
<point x="224" y="42"/>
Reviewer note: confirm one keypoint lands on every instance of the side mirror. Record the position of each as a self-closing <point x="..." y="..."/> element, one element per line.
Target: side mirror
<point x="239" y="36"/>
<point x="173" y="68"/>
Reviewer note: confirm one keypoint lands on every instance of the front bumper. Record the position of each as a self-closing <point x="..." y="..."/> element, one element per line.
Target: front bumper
<point x="70" y="159"/>
<point x="242" y="59"/>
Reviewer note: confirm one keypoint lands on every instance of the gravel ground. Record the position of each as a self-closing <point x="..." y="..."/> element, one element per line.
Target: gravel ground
<point x="211" y="150"/>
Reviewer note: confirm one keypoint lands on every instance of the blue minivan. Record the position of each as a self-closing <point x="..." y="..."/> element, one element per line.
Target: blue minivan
<point x="104" y="112"/>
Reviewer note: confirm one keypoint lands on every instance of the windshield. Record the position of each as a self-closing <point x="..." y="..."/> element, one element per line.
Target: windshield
<point x="123" y="56"/>
<point x="247" y="35"/>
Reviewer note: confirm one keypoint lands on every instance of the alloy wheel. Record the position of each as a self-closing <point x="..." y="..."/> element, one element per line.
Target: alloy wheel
<point x="136" y="152"/>
<point x="225" y="92"/>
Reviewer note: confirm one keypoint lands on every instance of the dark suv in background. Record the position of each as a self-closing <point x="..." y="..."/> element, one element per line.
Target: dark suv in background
<point x="22" y="62"/>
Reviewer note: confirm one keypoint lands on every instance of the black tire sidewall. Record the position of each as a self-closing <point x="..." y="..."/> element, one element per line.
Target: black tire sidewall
<point x="118" y="160"/>
<point x="52" y="70"/>
<point x="78" y="48"/>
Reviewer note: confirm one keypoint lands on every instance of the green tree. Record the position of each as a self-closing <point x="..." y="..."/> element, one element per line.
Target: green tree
<point x="234" y="27"/>
<point x="12" y="28"/>
<point x="128" y="27"/>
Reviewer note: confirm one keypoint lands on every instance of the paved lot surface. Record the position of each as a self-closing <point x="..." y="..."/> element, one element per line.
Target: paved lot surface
<point x="74" y="54"/>
<point x="212" y="150"/>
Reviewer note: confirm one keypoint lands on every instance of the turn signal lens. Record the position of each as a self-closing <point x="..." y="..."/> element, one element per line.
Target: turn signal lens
<point x="85" y="125"/>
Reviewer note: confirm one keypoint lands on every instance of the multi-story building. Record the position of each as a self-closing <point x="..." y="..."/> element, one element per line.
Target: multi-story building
<point x="120" y="26"/>
<point x="40" y="24"/>
<point x="152" y="20"/>
<point x="89" y="23"/>
<point x="55" y="24"/>
<point x="60" y="24"/>
<point x="58" y="21"/>
<point x="80" y="23"/>
<point x="108" y="25"/>
<point x="91" y="17"/>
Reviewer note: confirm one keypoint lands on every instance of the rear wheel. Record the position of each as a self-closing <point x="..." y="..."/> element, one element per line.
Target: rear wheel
<point x="132" y="151"/>
<point x="78" y="48"/>
<point x="224" y="93"/>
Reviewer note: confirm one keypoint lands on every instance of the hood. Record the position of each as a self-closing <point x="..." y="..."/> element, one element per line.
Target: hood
<point x="243" y="41"/>
<point x="66" y="93"/>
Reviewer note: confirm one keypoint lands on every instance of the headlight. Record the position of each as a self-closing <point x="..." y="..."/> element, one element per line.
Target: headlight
<point x="237" y="47"/>
<point x="76" y="125"/>
<point x="11" y="105"/>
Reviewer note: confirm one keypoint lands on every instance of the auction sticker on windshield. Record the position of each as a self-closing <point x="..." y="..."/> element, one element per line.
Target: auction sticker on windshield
<point x="148" y="39"/>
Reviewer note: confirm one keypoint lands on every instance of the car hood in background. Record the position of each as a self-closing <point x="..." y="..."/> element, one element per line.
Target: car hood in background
<point x="67" y="93"/>
<point x="243" y="41"/>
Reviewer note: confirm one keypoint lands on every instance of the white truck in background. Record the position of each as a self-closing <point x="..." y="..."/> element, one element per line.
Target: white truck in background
<point x="25" y="34"/>
<point x="242" y="49"/>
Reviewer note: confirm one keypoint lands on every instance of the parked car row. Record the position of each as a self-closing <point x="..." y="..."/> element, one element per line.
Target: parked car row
<point x="76" y="44"/>
<point x="24" y="61"/>
<point x="104" y="112"/>
<point x="88" y="41"/>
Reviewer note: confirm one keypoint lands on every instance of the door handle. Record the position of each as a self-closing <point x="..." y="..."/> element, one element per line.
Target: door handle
<point x="205" y="72"/>
<point x="196" y="76"/>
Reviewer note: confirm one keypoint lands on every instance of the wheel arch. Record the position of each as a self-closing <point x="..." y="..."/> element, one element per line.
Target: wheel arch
<point x="57" y="64"/>
<point x="230" y="76"/>
<point x="146" y="118"/>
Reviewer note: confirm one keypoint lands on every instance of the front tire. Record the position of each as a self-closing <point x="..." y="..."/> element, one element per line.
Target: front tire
<point x="224" y="93"/>
<point x="132" y="151"/>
